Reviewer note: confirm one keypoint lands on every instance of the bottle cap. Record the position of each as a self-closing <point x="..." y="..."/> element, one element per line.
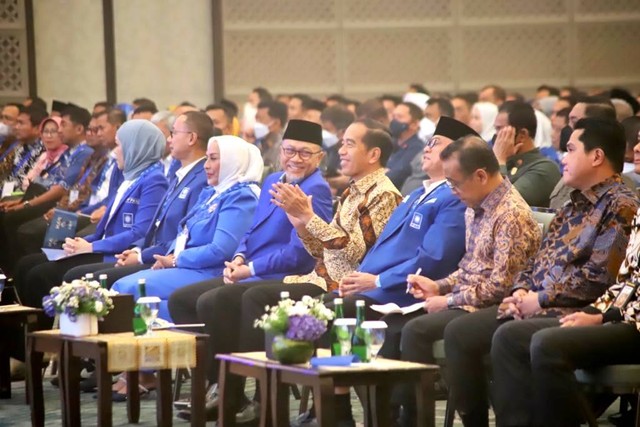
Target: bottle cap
<point x="284" y="295"/>
<point x="102" y="277"/>
<point x="142" y="281"/>
<point x="337" y="301"/>
<point x="360" y="303"/>
<point x="89" y="276"/>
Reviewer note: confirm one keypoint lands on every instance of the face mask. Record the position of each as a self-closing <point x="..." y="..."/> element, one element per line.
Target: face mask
<point x="5" y="130"/>
<point x="328" y="139"/>
<point x="565" y="134"/>
<point x="260" y="130"/>
<point x="397" y="128"/>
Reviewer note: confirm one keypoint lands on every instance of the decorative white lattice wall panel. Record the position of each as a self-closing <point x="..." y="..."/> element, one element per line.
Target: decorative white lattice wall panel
<point x="252" y="13"/>
<point x="498" y="54"/>
<point x="601" y="54"/>
<point x="384" y="12"/>
<point x="506" y="11"/>
<point x="291" y="59"/>
<point x="69" y="41"/>
<point x="14" y="81"/>
<point x="367" y="47"/>
<point x="384" y="58"/>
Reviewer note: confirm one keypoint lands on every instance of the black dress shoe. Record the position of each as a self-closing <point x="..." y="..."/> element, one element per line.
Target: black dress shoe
<point x="211" y="406"/>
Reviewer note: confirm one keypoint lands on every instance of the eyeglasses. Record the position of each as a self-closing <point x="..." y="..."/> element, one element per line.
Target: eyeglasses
<point x="433" y="142"/>
<point x="50" y="132"/>
<point x="456" y="185"/>
<point x="172" y="132"/>
<point x="290" y="153"/>
<point x="95" y="130"/>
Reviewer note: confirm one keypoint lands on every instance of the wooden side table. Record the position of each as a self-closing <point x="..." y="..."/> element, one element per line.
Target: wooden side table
<point x="11" y="317"/>
<point x="378" y="377"/>
<point x="96" y="348"/>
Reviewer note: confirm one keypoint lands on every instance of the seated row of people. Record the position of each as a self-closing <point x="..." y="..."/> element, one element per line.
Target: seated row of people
<point x="369" y="247"/>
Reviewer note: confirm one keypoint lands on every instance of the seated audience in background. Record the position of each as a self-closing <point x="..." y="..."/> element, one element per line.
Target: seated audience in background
<point x="21" y="155"/>
<point x="579" y="256"/>
<point x="101" y="107"/>
<point x="139" y="148"/>
<point x="373" y="109"/>
<point x="390" y="102"/>
<point x="8" y="116"/>
<point x="335" y="121"/>
<point x="544" y="91"/>
<point x="271" y="120"/>
<point x="462" y="104"/>
<point x="270" y="249"/>
<point x="483" y="117"/>
<point x="501" y="234"/>
<point x="559" y="121"/>
<point x="438" y="107"/>
<point x="188" y="142"/>
<point x="335" y="99"/>
<point x="210" y="232"/>
<point x="312" y="110"/>
<point x="222" y="118"/>
<point x="30" y="235"/>
<point x="296" y="108"/>
<point x="531" y="173"/>
<point x="493" y="94"/>
<point x="53" y="177"/>
<point x="184" y="107"/>
<point x="631" y="127"/>
<point x="164" y="120"/>
<point x="144" y="112"/>
<point x="404" y="130"/>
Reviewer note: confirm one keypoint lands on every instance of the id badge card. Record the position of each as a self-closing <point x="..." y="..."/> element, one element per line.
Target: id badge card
<point x="7" y="188"/>
<point x="73" y="196"/>
<point x="181" y="242"/>
<point x="626" y="293"/>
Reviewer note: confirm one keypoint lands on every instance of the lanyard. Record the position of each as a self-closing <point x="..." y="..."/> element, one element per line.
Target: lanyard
<point x="85" y="175"/>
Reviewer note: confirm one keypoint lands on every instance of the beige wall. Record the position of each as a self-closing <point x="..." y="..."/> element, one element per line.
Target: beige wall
<point x="70" y="51"/>
<point x="163" y="51"/>
<point x="367" y="47"/>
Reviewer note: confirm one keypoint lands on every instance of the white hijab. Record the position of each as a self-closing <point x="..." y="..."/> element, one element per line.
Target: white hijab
<point x="239" y="162"/>
<point x="543" y="130"/>
<point x="488" y="113"/>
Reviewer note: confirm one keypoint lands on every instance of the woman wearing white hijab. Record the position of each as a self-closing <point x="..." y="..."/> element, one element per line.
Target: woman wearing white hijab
<point x="211" y="231"/>
<point x="483" y="114"/>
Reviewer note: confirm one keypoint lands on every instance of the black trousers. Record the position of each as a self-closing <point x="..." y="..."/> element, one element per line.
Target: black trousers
<point x="35" y="275"/>
<point x="534" y="380"/>
<point x="113" y="273"/>
<point x="11" y="247"/>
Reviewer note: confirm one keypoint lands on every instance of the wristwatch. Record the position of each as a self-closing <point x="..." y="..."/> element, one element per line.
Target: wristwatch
<point x="26" y="204"/>
<point x="450" y="302"/>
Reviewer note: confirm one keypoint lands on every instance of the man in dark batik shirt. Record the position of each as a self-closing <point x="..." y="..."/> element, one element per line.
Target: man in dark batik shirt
<point x="578" y="258"/>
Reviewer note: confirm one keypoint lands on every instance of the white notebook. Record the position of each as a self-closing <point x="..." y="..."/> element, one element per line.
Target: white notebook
<point x="391" y="307"/>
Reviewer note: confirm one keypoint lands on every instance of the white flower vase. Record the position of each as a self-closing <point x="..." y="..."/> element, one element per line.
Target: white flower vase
<point x="85" y="325"/>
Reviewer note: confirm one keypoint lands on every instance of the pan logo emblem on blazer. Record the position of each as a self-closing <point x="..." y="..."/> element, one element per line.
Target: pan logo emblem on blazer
<point x="416" y="221"/>
<point x="133" y="200"/>
<point x="127" y="220"/>
<point x="184" y="193"/>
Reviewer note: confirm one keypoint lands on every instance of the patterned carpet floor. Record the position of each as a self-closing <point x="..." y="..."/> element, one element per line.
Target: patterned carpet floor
<point x="14" y="412"/>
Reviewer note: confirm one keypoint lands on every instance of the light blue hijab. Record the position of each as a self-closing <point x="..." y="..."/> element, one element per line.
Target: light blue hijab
<point x="142" y="145"/>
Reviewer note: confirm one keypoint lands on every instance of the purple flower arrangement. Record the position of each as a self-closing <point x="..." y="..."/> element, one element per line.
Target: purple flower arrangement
<point x="304" y="320"/>
<point x="78" y="297"/>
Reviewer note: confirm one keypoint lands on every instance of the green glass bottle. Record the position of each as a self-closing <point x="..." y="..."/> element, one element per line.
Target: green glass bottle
<point x="336" y="348"/>
<point x="139" y="325"/>
<point x="358" y="342"/>
<point x="103" y="280"/>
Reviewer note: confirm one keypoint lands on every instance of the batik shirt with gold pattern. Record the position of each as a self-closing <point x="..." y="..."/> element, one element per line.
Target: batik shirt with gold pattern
<point x="363" y="211"/>
<point x="583" y="248"/>
<point x="501" y="235"/>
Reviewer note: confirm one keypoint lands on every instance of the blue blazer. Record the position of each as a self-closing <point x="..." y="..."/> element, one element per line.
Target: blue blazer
<point x="215" y="228"/>
<point x="431" y="237"/>
<point x="132" y="216"/>
<point x="272" y="244"/>
<point x="175" y="205"/>
<point x="114" y="183"/>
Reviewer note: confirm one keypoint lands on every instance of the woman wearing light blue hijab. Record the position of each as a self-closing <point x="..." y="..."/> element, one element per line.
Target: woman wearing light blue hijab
<point x="210" y="233"/>
<point x="140" y="146"/>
